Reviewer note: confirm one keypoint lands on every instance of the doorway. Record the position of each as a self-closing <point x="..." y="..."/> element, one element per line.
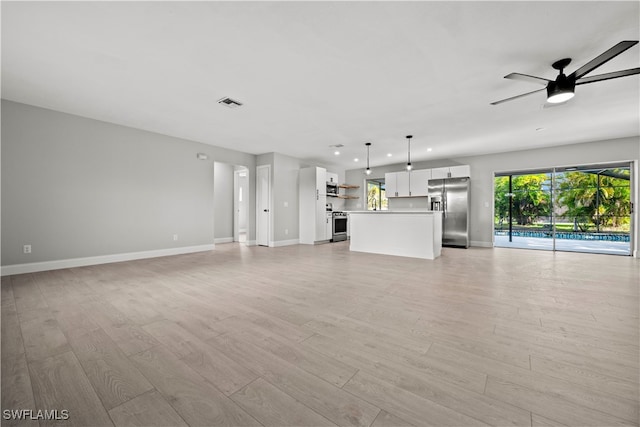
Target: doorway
<point x="240" y="204"/>
<point x="576" y="209"/>
<point x="263" y="204"/>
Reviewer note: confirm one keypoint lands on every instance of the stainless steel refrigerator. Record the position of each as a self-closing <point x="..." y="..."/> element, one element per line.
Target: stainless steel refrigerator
<point x="451" y="196"/>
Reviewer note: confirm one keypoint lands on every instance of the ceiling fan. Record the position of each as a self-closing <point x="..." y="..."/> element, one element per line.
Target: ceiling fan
<point x="562" y="88"/>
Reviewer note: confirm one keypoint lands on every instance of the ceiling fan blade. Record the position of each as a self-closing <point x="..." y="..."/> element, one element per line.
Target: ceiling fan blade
<point x="527" y="78"/>
<point x="602" y="58"/>
<point x="516" y="97"/>
<point x="608" y="76"/>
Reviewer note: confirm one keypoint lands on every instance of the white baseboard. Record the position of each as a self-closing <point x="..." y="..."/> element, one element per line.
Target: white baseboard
<point x="102" y="259"/>
<point x="251" y="243"/>
<point x="280" y="243"/>
<point x="481" y="244"/>
<point x="223" y="240"/>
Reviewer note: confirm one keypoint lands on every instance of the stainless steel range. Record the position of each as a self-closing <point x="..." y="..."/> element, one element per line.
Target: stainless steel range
<point x="339" y="226"/>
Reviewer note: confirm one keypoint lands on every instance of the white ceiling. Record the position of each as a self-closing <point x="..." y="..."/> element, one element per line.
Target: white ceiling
<point x="313" y="74"/>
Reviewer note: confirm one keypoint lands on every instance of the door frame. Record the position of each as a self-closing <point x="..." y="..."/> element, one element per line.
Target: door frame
<point x="259" y="169"/>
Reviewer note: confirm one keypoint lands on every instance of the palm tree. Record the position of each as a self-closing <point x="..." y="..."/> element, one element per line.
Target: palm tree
<point x="592" y="198"/>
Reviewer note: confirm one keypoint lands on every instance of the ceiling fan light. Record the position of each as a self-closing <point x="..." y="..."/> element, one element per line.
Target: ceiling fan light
<point x="561" y="90"/>
<point x="557" y="98"/>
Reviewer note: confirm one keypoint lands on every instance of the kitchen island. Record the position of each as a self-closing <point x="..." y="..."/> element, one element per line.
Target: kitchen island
<point x="416" y="234"/>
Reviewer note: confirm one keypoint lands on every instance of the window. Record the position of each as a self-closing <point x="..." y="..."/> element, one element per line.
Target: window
<point x="376" y="195"/>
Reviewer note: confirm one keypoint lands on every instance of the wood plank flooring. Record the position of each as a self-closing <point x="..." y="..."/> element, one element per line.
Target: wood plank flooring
<point x="318" y="335"/>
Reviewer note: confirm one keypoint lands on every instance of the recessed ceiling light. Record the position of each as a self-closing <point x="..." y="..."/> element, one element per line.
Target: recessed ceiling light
<point x="228" y="102"/>
<point x="429" y="149"/>
<point x="389" y="154"/>
<point x="356" y="160"/>
<point x="337" y="153"/>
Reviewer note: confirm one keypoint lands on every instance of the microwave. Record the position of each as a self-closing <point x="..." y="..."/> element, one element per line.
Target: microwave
<point x="332" y="189"/>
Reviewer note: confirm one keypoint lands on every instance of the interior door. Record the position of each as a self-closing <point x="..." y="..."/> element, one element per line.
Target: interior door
<point x="263" y="205"/>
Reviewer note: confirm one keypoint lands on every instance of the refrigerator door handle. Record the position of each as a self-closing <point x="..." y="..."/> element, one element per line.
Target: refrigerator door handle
<point x="444" y="203"/>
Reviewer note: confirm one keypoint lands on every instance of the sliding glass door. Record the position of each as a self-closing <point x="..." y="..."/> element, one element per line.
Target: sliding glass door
<point x="523" y="205"/>
<point x="593" y="209"/>
<point x="580" y="209"/>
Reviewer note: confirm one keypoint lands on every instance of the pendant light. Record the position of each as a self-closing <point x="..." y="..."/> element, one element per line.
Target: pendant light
<point x="409" y="152"/>
<point x="368" y="170"/>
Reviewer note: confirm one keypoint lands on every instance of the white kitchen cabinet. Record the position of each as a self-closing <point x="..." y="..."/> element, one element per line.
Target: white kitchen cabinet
<point x="407" y="184"/>
<point x="396" y="184"/>
<point x="391" y="184"/>
<point x="329" y="226"/>
<point x="460" y="171"/>
<point x="312" y="201"/>
<point x="419" y="183"/>
<point x="403" y="182"/>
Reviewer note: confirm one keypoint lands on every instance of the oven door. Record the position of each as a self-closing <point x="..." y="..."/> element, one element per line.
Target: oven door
<point x="339" y="228"/>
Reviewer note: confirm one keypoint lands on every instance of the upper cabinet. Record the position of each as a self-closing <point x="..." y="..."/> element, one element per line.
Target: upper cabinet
<point x="461" y="171"/>
<point x="407" y="184"/>
<point x="416" y="182"/>
<point x="419" y="183"/>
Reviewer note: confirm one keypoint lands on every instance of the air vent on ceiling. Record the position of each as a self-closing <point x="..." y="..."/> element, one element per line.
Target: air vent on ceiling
<point x="228" y="102"/>
<point x="337" y="145"/>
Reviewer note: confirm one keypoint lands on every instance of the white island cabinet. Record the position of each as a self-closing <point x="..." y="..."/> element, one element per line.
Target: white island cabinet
<point x="410" y="234"/>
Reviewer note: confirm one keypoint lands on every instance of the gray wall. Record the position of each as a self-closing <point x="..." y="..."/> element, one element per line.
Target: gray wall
<point x="484" y="167"/>
<point x="285" y="197"/>
<point x="75" y="187"/>
<point x="284" y="184"/>
<point x="223" y="200"/>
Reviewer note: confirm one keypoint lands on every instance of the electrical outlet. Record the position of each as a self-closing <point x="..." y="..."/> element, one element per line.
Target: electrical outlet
<point x="286" y="231"/>
<point x="26" y="249"/>
<point x="175" y="237"/>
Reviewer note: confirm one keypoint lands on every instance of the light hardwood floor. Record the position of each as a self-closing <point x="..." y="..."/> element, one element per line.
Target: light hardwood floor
<point x="318" y="335"/>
